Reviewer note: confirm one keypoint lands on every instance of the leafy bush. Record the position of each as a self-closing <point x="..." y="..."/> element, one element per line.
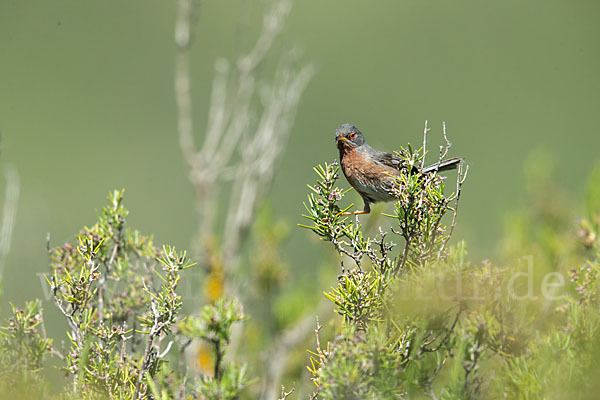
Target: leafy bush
<point x="416" y="320"/>
<point x="425" y="322"/>
<point x="118" y="294"/>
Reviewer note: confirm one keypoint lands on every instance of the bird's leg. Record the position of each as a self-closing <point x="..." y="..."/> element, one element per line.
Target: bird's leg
<point x="365" y="210"/>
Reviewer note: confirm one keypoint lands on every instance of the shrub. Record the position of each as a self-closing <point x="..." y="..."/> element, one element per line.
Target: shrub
<point x="118" y="294"/>
<point x="425" y="322"/>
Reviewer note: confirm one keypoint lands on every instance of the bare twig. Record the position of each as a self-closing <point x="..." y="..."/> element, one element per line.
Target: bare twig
<point x="149" y="351"/>
<point x="287" y="341"/>
<point x="321" y="354"/>
<point x="471" y="368"/>
<point x="183" y="97"/>
<point x="425" y="130"/>
<point x="166" y="350"/>
<point x="53" y="350"/>
<point x="102" y="280"/>
<point x="182" y="368"/>
<point x="219" y="353"/>
<point x="240" y="145"/>
<point x="356" y="256"/>
<point x="70" y="320"/>
<point x="285" y="394"/>
<point x="255" y="172"/>
<point x="444" y="149"/>
<point x="319" y="350"/>
<point x="424" y="348"/>
<point x="9" y="212"/>
<point x="402" y="261"/>
<point x="182" y="348"/>
<point x="384" y="249"/>
<point x="460" y="179"/>
<point x="249" y="123"/>
<point x="431" y="392"/>
<point x="161" y="322"/>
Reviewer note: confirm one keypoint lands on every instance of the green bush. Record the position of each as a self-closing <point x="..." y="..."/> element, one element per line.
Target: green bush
<point x="415" y="320"/>
<point x="118" y="295"/>
<point x="426" y="323"/>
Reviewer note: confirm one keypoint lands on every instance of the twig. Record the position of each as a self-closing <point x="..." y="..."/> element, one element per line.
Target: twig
<point x="472" y="367"/>
<point x="285" y="394"/>
<point x="160" y="322"/>
<point x="402" y="261"/>
<point x="286" y="342"/>
<point x="123" y="344"/>
<point x="144" y="367"/>
<point x="9" y="213"/>
<point x="460" y="179"/>
<point x="182" y="368"/>
<point x="102" y="280"/>
<point x="423" y="347"/>
<point x="319" y="351"/>
<point x="241" y="142"/>
<point x="78" y="328"/>
<point x="238" y="145"/>
<point x="433" y="375"/>
<point x="182" y="348"/>
<point x="356" y="256"/>
<point x="273" y="24"/>
<point x="259" y="154"/>
<point x="166" y="350"/>
<point x="53" y="351"/>
<point x="69" y="316"/>
<point x="183" y="97"/>
<point x="218" y="359"/>
<point x="425" y="130"/>
<point x="146" y="360"/>
<point x="93" y="269"/>
<point x="384" y="249"/>
<point x="444" y="149"/>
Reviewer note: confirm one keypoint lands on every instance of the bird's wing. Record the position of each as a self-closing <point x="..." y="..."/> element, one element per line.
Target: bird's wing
<point x="394" y="161"/>
<point x="387" y="159"/>
<point x="391" y="160"/>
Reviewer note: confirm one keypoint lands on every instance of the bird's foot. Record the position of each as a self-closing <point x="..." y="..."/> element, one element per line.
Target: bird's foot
<point x="356" y="212"/>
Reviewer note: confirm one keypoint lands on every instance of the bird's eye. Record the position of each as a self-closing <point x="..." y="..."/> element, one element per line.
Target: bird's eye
<point x="353" y="136"/>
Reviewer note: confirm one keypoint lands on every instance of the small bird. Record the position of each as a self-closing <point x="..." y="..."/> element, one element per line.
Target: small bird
<point x="368" y="170"/>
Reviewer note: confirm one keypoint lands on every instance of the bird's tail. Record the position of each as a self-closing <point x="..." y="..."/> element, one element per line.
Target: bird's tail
<point x="446" y="165"/>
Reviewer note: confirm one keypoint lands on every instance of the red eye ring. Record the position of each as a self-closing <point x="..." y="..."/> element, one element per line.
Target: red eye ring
<point x="352" y="135"/>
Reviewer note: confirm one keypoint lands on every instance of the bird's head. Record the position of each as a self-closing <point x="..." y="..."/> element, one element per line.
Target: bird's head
<point x="348" y="136"/>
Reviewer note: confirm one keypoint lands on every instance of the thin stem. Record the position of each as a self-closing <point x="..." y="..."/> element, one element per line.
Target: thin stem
<point x="285" y="394"/>
<point x="404" y="257"/>
<point x="183" y="96"/>
<point x="444" y="149"/>
<point x="425" y="130"/>
<point x="182" y="364"/>
<point x="218" y="359"/>
<point x="355" y="256"/>
<point x="9" y="213"/>
<point x="145" y="365"/>
<point x="460" y="179"/>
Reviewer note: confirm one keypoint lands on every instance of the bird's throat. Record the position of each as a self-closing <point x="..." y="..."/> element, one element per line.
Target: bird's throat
<point x="345" y="150"/>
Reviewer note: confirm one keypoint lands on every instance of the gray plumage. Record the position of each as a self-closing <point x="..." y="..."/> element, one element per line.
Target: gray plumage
<point x="371" y="171"/>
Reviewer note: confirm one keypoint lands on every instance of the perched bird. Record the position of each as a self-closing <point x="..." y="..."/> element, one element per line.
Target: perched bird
<point x="368" y="170"/>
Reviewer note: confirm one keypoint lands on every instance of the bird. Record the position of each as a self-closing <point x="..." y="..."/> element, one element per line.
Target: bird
<point x="372" y="172"/>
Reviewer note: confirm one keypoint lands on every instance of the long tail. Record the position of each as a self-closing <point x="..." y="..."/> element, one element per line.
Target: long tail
<point x="446" y="165"/>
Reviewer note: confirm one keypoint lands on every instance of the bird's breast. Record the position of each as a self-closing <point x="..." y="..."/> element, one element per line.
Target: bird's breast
<point x="372" y="180"/>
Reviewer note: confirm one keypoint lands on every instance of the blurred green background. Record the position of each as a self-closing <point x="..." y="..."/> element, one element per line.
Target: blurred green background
<point x="87" y="105"/>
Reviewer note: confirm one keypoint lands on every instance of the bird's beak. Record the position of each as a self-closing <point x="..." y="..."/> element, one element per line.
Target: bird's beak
<point x="341" y="142"/>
